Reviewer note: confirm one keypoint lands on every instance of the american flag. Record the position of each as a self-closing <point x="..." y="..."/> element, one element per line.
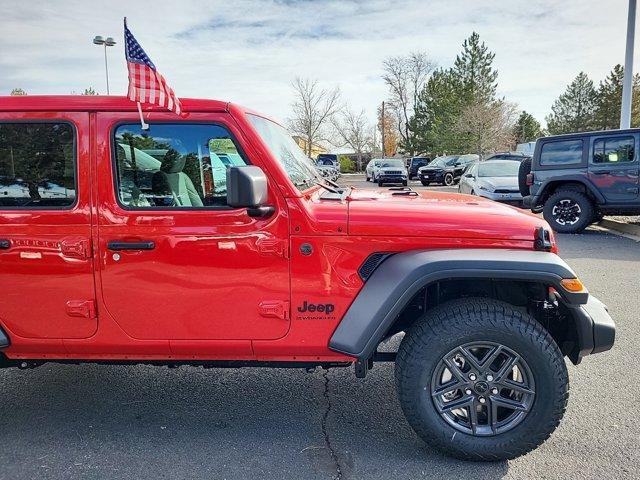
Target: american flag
<point x="146" y="84"/>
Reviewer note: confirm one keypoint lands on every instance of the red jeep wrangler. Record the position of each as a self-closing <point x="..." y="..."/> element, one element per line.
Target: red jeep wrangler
<point x="209" y="239"/>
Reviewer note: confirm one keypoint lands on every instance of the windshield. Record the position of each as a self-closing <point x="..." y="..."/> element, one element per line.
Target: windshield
<point x="391" y="163"/>
<point x="298" y="166"/>
<point x="507" y="168"/>
<point x="444" y="161"/>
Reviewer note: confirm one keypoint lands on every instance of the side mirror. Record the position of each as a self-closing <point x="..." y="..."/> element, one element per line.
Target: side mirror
<point x="468" y="175"/>
<point x="247" y="188"/>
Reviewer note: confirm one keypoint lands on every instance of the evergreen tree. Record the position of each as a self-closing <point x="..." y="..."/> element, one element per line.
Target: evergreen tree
<point x="471" y="82"/>
<point x="527" y="129"/>
<point x="473" y="71"/>
<point x="609" y="101"/>
<point x="437" y="110"/>
<point x="574" y="110"/>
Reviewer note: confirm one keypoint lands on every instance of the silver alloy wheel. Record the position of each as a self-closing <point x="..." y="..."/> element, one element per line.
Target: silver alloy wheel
<point x="483" y="388"/>
<point x="448" y="179"/>
<point x="566" y="212"/>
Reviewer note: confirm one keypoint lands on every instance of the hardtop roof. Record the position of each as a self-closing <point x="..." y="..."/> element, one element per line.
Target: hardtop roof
<point x="68" y="103"/>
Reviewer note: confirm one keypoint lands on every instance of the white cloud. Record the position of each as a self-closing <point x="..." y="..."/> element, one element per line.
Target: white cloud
<point x="249" y="51"/>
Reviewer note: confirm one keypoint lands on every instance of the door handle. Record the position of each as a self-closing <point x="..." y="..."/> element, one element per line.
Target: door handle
<point x="5" y="244"/>
<point x="117" y="246"/>
<point x="602" y="172"/>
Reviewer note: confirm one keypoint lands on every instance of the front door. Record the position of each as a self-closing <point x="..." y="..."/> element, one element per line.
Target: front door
<point x="614" y="167"/>
<point x="46" y="270"/>
<point x="175" y="262"/>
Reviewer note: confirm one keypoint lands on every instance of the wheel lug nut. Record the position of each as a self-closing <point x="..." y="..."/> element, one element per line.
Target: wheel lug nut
<point x="468" y="391"/>
<point x="482" y="400"/>
<point x="490" y="378"/>
<point x="494" y="391"/>
<point x="472" y="376"/>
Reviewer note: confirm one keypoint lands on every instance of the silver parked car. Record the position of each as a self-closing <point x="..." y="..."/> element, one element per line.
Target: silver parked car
<point x="493" y="179"/>
<point x="391" y="170"/>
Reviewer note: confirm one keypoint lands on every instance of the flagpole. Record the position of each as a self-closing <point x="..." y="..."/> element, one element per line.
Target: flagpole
<point x="143" y="124"/>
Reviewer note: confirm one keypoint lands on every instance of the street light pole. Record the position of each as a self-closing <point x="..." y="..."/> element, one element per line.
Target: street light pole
<point x="108" y="42"/>
<point x="627" y="85"/>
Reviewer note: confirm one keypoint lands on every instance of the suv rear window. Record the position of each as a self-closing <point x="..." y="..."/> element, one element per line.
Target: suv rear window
<point x="613" y="150"/>
<point x="563" y="152"/>
<point x="37" y="165"/>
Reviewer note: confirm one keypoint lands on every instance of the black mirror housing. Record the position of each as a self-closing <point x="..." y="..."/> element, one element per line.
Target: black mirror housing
<point x="246" y="187"/>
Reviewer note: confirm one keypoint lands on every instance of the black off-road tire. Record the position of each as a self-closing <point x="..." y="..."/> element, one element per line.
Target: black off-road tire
<point x="405" y="183"/>
<point x="583" y="202"/>
<point x="449" y="179"/>
<point x="424" y="183"/>
<point x="524" y="170"/>
<point x="380" y="184"/>
<point x="457" y="323"/>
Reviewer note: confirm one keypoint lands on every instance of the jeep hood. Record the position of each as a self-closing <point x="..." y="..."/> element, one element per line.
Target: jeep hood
<point x="437" y="214"/>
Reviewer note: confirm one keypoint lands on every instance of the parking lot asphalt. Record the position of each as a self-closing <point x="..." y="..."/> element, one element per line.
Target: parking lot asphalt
<point x="139" y="422"/>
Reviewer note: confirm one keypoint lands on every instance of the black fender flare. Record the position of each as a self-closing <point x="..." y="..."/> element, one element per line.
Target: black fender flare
<point x="394" y="283"/>
<point x="588" y="185"/>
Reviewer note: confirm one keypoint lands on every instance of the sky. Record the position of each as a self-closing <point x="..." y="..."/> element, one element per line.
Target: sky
<point x="249" y="51"/>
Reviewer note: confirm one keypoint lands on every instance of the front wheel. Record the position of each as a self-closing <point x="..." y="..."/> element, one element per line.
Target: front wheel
<point x="404" y="183"/>
<point x="380" y="184"/>
<point x="481" y="380"/>
<point x="568" y="211"/>
<point x="425" y="183"/>
<point x="448" y="179"/>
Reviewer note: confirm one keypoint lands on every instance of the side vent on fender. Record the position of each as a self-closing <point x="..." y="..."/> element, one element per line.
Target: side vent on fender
<point x="372" y="262"/>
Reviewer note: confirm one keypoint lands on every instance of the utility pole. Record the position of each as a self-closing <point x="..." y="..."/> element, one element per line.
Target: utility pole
<point x="382" y="129"/>
<point x="627" y="85"/>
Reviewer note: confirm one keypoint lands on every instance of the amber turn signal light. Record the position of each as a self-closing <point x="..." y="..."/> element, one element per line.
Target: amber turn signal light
<point x="572" y="284"/>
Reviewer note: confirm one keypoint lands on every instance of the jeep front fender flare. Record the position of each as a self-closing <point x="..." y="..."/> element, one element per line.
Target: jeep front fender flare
<point x="588" y="185"/>
<point x="392" y="285"/>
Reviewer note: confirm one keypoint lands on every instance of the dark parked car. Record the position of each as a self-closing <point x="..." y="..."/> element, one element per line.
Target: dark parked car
<point x="415" y="163"/>
<point x="446" y="170"/>
<point x="575" y="179"/>
<point x="328" y="159"/>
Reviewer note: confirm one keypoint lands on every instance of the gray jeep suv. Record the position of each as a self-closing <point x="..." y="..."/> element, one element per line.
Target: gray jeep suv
<point x="578" y="178"/>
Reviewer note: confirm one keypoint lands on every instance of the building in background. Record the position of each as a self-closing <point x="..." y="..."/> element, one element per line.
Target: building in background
<point x="315" y="148"/>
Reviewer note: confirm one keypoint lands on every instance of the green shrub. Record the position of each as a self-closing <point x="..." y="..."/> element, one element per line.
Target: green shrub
<point x="346" y="164"/>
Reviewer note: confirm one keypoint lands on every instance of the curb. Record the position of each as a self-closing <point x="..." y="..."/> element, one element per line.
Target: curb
<point x="620" y="227"/>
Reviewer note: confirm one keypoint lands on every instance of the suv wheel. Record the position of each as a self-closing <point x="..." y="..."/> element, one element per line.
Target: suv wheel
<point x="448" y="179"/>
<point x="380" y="183"/>
<point x="481" y="380"/>
<point x="424" y="183"/>
<point x="568" y="211"/>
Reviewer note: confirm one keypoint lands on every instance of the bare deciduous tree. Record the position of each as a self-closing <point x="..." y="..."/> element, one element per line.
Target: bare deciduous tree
<point x="489" y="125"/>
<point x="405" y="76"/>
<point x="354" y="131"/>
<point x="313" y="110"/>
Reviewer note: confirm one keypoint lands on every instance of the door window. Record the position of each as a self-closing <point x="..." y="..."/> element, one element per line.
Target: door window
<point x="174" y="165"/>
<point x="564" y="152"/>
<point x="613" y="150"/>
<point x="37" y="165"/>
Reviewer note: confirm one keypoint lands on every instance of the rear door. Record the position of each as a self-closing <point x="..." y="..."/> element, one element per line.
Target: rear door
<point x="176" y="262"/>
<point x="46" y="272"/>
<point x="614" y="167"/>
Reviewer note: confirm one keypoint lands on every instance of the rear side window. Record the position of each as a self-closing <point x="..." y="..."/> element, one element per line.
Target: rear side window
<point x="614" y="150"/>
<point x="37" y="165"/>
<point x="174" y="165"/>
<point x="561" y="153"/>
